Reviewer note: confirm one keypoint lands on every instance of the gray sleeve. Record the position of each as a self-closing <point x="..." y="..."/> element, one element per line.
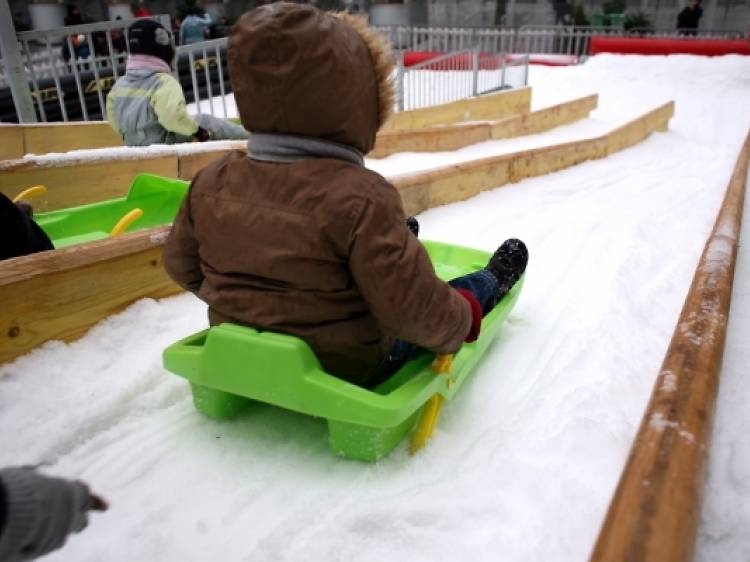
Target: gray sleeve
<point x="40" y="513"/>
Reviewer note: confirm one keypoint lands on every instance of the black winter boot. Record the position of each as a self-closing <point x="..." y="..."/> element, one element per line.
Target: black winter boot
<point x="413" y="225"/>
<point x="508" y="263"/>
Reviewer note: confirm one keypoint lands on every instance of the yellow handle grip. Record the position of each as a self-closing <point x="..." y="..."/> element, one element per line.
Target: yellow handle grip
<point x="125" y="222"/>
<point x="30" y="193"/>
<point x="443" y="364"/>
<point x="431" y="412"/>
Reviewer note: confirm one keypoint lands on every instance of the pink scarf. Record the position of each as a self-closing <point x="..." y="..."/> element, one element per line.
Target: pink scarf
<point x="146" y="62"/>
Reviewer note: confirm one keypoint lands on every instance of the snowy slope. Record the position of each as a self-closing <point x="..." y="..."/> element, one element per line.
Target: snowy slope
<point x="525" y="458"/>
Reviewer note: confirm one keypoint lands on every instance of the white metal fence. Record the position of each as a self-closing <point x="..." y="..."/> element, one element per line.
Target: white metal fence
<point x="562" y="40"/>
<point x="457" y="76"/>
<point x="71" y="69"/>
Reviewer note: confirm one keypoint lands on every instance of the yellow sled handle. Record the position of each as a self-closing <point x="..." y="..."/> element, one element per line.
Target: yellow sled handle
<point x="125" y="222"/>
<point x="431" y="411"/>
<point x="30" y="193"/>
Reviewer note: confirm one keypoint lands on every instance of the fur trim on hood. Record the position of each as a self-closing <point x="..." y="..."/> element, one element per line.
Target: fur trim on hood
<point x="382" y="60"/>
<point x="300" y="71"/>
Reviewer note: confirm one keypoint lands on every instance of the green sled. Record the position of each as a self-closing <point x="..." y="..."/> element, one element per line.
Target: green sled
<point x="159" y="198"/>
<point x="230" y="366"/>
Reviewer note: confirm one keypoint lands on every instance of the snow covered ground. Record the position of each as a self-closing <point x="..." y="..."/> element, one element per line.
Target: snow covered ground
<point x="525" y="458"/>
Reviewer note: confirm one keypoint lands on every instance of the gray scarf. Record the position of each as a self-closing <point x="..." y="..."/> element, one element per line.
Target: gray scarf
<point x="271" y="147"/>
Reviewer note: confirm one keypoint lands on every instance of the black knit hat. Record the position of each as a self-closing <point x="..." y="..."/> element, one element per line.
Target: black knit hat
<point x="149" y="37"/>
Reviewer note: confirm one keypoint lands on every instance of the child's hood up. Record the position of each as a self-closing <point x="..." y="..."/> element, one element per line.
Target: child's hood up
<point x="297" y="70"/>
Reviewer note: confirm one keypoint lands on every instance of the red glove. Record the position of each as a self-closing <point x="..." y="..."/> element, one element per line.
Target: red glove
<point x="476" y="314"/>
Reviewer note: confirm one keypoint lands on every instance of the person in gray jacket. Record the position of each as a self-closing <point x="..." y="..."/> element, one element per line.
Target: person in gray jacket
<point x="147" y="105"/>
<point x="38" y="512"/>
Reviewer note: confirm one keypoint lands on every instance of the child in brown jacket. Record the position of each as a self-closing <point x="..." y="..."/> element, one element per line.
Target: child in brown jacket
<point x="297" y="236"/>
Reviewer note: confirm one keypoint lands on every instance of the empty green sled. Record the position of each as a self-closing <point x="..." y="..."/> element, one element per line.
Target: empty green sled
<point x="229" y="366"/>
<point x="159" y="198"/>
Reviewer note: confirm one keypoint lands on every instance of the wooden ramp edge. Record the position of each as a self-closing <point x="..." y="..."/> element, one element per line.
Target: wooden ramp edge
<point x="19" y="140"/>
<point x="655" y="511"/>
<point x="424" y="190"/>
<point x="455" y="136"/>
<point x="62" y="293"/>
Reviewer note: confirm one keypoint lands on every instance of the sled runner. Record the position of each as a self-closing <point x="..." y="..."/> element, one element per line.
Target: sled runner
<point x="230" y="366"/>
<point x="157" y="198"/>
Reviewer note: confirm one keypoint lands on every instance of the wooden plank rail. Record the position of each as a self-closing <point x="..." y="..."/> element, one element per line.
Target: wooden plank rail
<point x="82" y="182"/>
<point x="482" y="108"/>
<point x="655" y="511"/>
<point x="455" y="136"/>
<point x="424" y="190"/>
<point x="60" y="294"/>
<point x="19" y="140"/>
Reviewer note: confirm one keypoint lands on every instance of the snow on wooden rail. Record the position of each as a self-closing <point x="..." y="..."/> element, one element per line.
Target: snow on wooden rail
<point x="60" y="294"/>
<point x="455" y="136"/>
<point x="655" y="511"/>
<point x="19" y="140"/>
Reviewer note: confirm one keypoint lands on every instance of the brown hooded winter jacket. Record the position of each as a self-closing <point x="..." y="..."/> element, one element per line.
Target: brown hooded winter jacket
<point x="316" y="247"/>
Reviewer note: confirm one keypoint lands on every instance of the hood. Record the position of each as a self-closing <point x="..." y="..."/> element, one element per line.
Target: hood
<point x="297" y="70"/>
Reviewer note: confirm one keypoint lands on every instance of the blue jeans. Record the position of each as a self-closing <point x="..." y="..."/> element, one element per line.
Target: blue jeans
<point x="482" y="284"/>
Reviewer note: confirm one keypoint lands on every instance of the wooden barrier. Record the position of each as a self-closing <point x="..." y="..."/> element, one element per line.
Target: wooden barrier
<point x="80" y="182"/>
<point x="64" y="137"/>
<point x="655" y="511"/>
<point x="424" y="190"/>
<point x="482" y="108"/>
<point x="453" y="137"/>
<point x="544" y="119"/>
<point x="19" y="140"/>
<point x="59" y="294"/>
<point x="11" y="142"/>
<point x="88" y="181"/>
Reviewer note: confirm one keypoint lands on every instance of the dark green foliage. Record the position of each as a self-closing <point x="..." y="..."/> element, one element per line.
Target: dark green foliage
<point x="638" y="21"/>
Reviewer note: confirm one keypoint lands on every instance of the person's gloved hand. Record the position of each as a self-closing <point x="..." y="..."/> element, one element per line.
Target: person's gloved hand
<point x="40" y="512"/>
<point x="202" y="135"/>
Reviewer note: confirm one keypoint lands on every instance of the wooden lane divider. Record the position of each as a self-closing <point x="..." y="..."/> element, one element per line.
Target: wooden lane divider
<point x="72" y="181"/>
<point x="482" y="108"/>
<point x="455" y="136"/>
<point x="424" y="190"/>
<point x="19" y="140"/>
<point x="60" y="294"/>
<point x="655" y="511"/>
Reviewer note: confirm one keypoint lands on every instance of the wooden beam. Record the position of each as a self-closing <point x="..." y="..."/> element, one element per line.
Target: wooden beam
<point x="655" y="511"/>
<point x="64" y="137"/>
<point x="11" y="142"/>
<point x="87" y="181"/>
<point x="462" y="181"/>
<point x="60" y="294"/>
<point x="544" y="119"/>
<point x="455" y="136"/>
<point x="482" y="108"/>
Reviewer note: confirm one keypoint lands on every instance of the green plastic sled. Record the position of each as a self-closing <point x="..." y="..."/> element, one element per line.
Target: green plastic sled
<point x="229" y="366"/>
<point x="159" y="198"/>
